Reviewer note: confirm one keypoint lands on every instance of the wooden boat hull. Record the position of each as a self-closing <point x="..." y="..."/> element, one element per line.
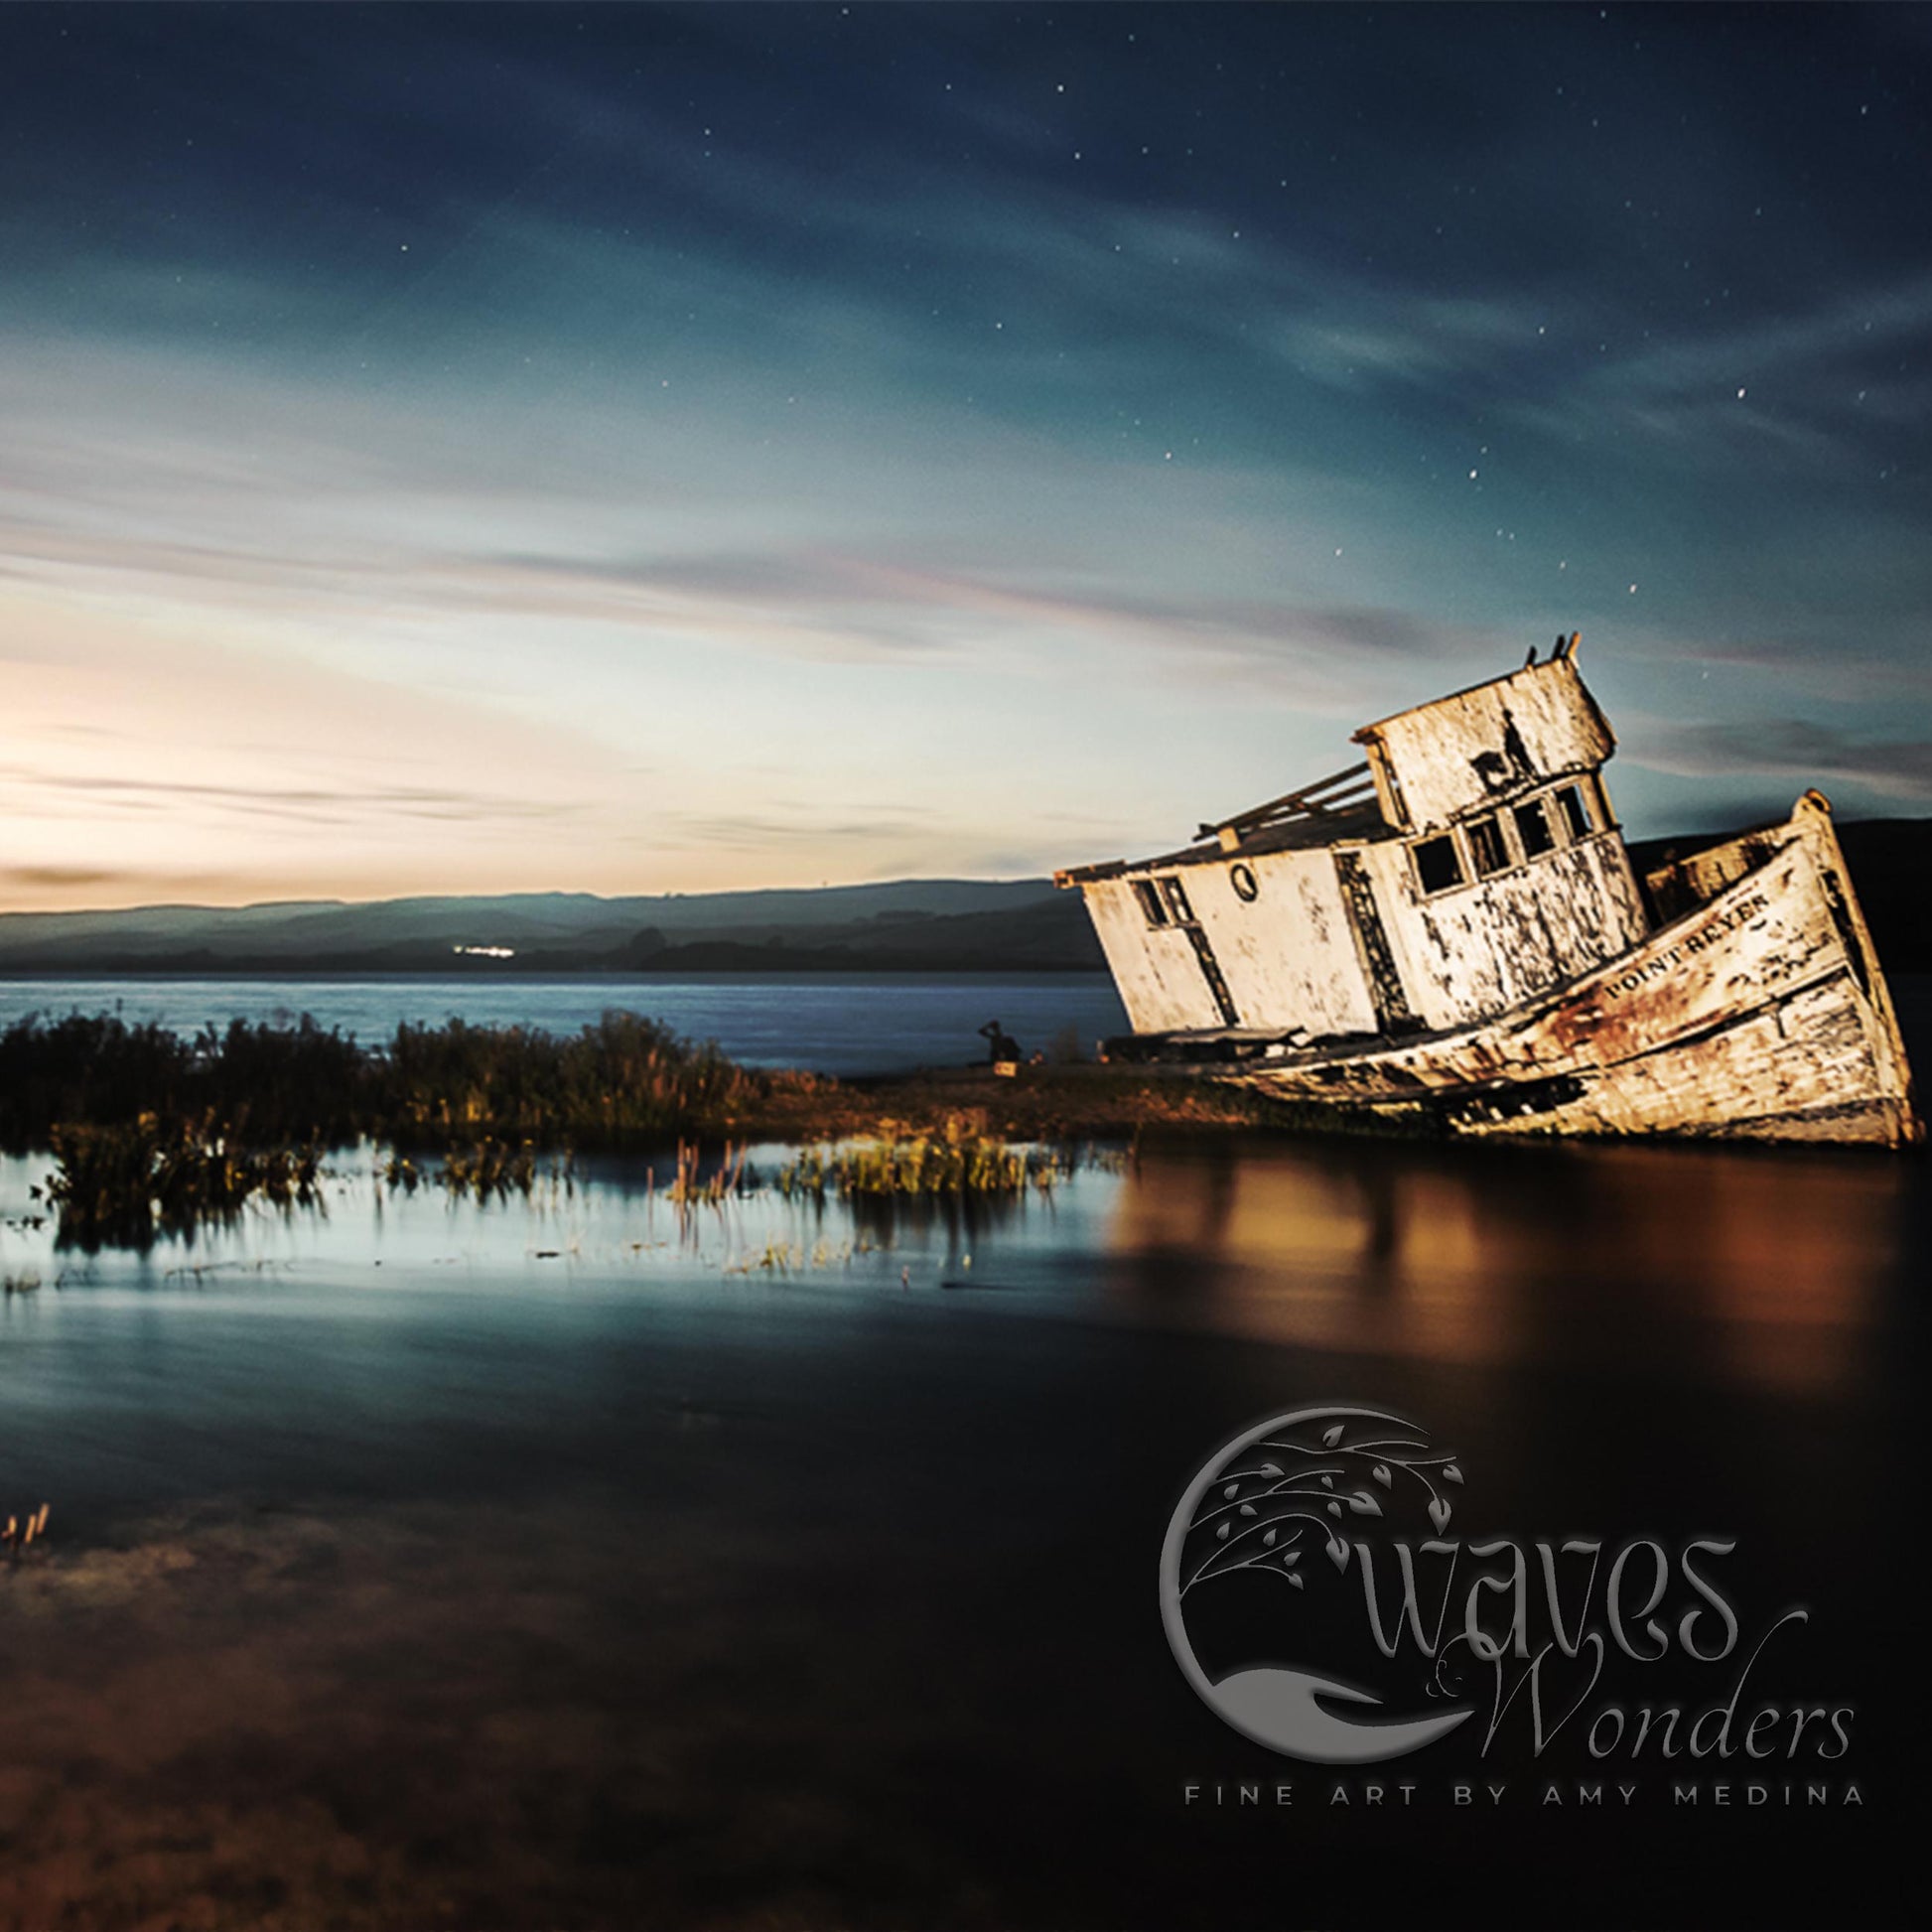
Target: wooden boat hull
<point x="1758" y="1013"/>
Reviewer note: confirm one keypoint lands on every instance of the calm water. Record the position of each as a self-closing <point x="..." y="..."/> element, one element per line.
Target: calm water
<point x="876" y="1022"/>
<point x="1784" y="1277"/>
<point x="581" y="1561"/>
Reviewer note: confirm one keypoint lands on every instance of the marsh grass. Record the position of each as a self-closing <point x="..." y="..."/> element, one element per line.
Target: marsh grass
<point x="489" y="1169"/>
<point x="623" y="1080"/>
<point x="121" y="1185"/>
<point x="265" y="1084"/>
<point x="957" y="1157"/>
<point x="154" y="1131"/>
<point x="692" y="1186"/>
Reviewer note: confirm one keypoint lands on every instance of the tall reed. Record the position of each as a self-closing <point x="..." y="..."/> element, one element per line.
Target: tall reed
<point x="959" y="1158"/>
<point x="123" y="1184"/>
<point x="623" y="1079"/>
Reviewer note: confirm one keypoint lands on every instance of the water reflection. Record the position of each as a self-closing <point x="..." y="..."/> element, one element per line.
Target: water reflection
<point x="596" y="1217"/>
<point x="437" y="1539"/>
<point x="1768" y="1268"/>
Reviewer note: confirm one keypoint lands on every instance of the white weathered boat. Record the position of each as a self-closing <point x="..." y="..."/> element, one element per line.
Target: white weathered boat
<point x="1453" y="930"/>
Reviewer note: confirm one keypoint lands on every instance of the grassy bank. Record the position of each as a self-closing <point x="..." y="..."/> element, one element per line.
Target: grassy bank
<point x="153" y="1132"/>
<point x="623" y="1082"/>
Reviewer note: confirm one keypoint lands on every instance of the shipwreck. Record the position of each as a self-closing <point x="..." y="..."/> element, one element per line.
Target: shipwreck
<point x="1453" y="931"/>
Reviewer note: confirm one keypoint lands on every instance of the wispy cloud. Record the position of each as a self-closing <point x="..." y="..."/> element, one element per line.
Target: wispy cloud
<point x="757" y="832"/>
<point x="1792" y="747"/>
<point x="34" y="879"/>
<point x="1847" y="662"/>
<point x="1818" y="387"/>
<point x="1846" y="328"/>
<point x="315" y="804"/>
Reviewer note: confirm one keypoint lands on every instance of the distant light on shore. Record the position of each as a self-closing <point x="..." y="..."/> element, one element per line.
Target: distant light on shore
<point x="486" y="952"/>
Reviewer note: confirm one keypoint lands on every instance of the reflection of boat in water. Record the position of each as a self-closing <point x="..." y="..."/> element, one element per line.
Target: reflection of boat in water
<point x="1453" y="930"/>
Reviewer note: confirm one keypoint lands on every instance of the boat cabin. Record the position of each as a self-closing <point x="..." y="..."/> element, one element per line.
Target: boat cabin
<point x="1471" y="861"/>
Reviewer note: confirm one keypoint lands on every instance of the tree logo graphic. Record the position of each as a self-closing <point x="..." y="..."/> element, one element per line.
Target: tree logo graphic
<point x="1264" y="1556"/>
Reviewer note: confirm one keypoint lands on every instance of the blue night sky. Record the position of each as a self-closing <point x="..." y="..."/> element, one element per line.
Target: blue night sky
<point x="632" y="449"/>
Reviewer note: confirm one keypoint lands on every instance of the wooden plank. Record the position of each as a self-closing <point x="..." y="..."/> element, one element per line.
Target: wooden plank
<point x="1339" y="792"/>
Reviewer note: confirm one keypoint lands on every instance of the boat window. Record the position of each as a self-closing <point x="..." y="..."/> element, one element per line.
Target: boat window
<point x="1176" y="896"/>
<point x="1156" y="913"/>
<point x="1533" y="829"/>
<point x="1246" y="885"/>
<point x="1576" y="813"/>
<point x="1489" y="850"/>
<point x="1438" y="866"/>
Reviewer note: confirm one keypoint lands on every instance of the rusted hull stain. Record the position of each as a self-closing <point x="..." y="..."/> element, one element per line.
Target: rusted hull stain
<point x="1760" y="1014"/>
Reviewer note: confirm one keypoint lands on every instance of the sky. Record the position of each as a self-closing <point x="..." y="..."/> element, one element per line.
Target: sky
<point x="630" y="449"/>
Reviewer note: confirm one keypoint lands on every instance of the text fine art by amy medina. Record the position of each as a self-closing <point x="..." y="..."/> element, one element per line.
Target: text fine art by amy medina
<point x="962" y="966"/>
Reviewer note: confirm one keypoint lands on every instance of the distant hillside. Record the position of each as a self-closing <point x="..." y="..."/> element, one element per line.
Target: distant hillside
<point x="940" y="925"/>
<point x="907" y="925"/>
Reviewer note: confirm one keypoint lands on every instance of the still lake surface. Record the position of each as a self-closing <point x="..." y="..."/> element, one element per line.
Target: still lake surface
<point x="579" y="1560"/>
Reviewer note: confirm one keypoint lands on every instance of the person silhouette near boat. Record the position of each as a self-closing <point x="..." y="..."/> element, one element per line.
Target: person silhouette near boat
<point x="1002" y="1051"/>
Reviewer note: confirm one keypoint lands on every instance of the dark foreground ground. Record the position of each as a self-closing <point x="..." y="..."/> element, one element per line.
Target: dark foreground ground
<point x="814" y="1609"/>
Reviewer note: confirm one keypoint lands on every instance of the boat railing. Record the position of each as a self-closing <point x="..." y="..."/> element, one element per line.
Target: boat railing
<point x="1340" y="791"/>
